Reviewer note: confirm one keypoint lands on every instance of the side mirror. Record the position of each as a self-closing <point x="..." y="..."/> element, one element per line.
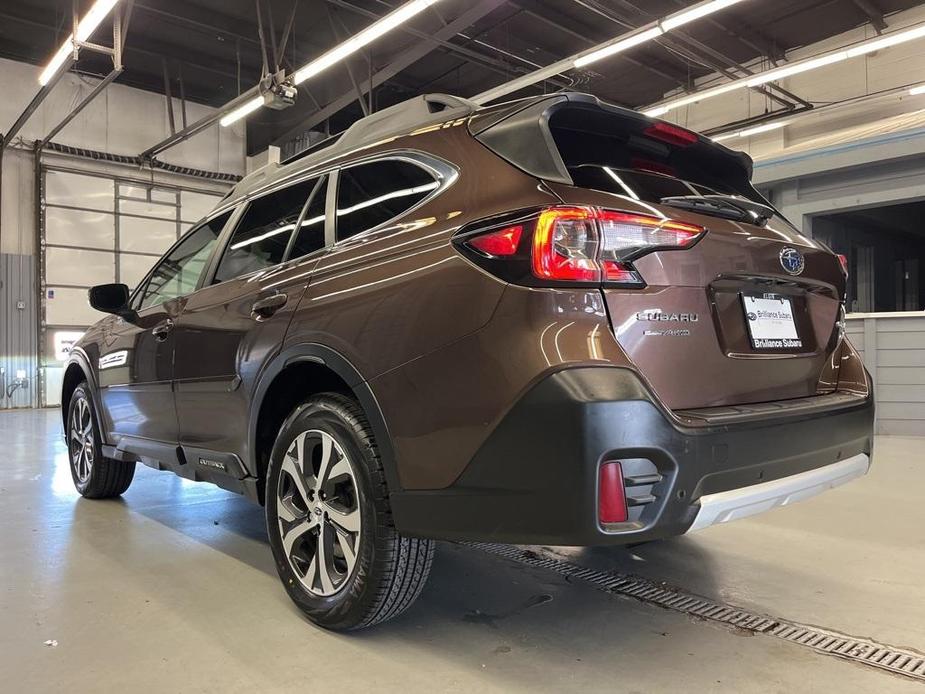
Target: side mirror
<point x="112" y="298"/>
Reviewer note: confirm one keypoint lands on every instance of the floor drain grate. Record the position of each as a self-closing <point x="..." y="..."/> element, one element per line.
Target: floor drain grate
<point x="896" y="660"/>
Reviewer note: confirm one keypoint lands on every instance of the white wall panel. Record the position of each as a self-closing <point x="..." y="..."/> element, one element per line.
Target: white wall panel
<point x="67" y="227"/>
<point x="83" y="268"/>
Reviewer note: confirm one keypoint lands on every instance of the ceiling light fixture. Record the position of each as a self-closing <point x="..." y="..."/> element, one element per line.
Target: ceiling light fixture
<point x="748" y="132"/>
<point x="618" y="44"/>
<point x="795" y="68"/>
<point x="340" y="52"/>
<point x="85" y="29"/>
<point x="644" y="35"/>
<point x="917" y="90"/>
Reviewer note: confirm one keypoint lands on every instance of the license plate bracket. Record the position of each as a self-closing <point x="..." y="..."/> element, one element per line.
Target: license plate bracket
<point x="771" y="322"/>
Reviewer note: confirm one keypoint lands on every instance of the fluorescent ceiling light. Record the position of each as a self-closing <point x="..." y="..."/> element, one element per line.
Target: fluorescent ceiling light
<point x="795" y="68"/>
<point x="85" y="29"/>
<point x="618" y="47"/>
<point x="748" y="132"/>
<point x="694" y="13"/>
<point x="241" y="111"/>
<point x="645" y="35"/>
<point x="364" y="38"/>
<point x="340" y="52"/>
<point x="887" y="41"/>
<point x="917" y="90"/>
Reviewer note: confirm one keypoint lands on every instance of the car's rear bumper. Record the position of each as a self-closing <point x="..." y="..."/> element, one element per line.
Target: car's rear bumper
<point x="535" y="478"/>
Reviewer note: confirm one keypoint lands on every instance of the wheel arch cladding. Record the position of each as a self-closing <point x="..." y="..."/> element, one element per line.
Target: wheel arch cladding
<point x="74" y="375"/>
<point x="293" y="376"/>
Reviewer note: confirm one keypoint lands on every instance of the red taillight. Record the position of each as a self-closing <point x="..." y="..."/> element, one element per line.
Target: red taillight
<point x="611" y="497"/>
<point x="499" y="243"/>
<point x="565" y="245"/>
<point x="592" y="245"/>
<point x="843" y="259"/>
<point x="672" y="134"/>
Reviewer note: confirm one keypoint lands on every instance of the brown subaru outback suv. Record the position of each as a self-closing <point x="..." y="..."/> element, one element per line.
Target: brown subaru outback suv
<point x="547" y="321"/>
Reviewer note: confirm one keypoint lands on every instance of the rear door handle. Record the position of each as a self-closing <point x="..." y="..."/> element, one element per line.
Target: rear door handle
<point x="264" y="308"/>
<point x="162" y="330"/>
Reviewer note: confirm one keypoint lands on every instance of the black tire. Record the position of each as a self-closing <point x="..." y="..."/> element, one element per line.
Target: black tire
<point x="389" y="571"/>
<point x="95" y="477"/>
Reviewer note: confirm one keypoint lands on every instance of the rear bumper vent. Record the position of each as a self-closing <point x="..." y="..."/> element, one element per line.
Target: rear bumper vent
<point x="641" y="479"/>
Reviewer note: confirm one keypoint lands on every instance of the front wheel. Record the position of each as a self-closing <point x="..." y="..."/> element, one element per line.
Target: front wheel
<point x="329" y="522"/>
<point x="95" y="477"/>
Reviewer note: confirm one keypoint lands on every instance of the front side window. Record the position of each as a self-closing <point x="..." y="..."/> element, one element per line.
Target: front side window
<point x="370" y="194"/>
<point x="262" y="235"/>
<point x="178" y="273"/>
<point x="311" y="231"/>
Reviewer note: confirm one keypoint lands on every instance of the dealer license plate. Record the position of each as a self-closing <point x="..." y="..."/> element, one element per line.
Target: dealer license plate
<point x="770" y="322"/>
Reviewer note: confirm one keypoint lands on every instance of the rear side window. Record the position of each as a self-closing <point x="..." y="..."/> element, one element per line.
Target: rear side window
<point x="262" y="235"/>
<point x="370" y="194"/>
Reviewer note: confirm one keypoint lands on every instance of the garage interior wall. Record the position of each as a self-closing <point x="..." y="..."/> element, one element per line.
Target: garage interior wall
<point x="121" y="120"/>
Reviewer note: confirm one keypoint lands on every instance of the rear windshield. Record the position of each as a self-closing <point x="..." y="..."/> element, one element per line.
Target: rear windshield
<point x="616" y="154"/>
<point x="639" y="185"/>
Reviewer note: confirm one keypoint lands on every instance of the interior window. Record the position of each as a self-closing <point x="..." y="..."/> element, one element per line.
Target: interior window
<point x="311" y="231"/>
<point x="370" y="194"/>
<point x="262" y="235"/>
<point x="178" y="273"/>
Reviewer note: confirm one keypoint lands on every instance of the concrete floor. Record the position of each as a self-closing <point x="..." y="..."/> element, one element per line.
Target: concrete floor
<point x="172" y="588"/>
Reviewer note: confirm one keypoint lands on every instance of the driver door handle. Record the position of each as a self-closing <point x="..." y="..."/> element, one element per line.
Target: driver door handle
<point x="264" y="308"/>
<point x="162" y="330"/>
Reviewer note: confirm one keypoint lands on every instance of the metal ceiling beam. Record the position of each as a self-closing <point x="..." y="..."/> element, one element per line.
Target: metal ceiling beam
<point x="873" y="13"/>
<point x="199" y="125"/>
<point x="486" y="61"/>
<point x="406" y="58"/>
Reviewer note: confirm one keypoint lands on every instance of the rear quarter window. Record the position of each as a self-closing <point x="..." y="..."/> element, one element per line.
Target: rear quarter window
<point x="371" y="194"/>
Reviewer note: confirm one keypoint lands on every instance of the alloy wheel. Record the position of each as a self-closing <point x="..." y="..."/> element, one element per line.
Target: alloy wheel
<point x="318" y="512"/>
<point x="80" y="440"/>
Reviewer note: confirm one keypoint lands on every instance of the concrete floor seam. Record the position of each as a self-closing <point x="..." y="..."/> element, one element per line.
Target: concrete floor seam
<point x="904" y="661"/>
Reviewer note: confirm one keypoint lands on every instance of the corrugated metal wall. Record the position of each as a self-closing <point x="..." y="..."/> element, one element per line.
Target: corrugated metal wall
<point x="18" y="330"/>
<point x="893" y="348"/>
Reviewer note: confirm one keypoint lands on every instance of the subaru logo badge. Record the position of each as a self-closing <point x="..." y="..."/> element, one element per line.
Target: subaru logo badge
<point x="792" y="260"/>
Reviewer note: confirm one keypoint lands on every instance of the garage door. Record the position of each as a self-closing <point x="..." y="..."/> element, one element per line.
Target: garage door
<point x="97" y="229"/>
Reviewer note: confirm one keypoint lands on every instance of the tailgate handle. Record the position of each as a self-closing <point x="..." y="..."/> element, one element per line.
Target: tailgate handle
<point x="264" y="308"/>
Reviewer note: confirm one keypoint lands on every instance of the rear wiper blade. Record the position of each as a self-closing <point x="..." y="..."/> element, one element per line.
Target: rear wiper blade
<point x="725" y="206"/>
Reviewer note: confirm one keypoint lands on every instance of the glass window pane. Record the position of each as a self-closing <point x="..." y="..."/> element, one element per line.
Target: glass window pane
<point x="75" y="190"/>
<point x="78" y="267"/>
<point x="133" y="268"/>
<point x="146" y="235"/>
<point x="262" y="235"/>
<point x="371" y="194"/>
<point x="148" y="209"/>
<point x="178" y="273"/>
<point x="64" y="227"/>
<point x="195" y="206"/>
<point x="311" y="231"/>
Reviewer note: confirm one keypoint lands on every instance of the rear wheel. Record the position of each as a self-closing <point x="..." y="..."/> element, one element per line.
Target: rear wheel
<point x="329" y="522"/>
<point x="94" y="476"/>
